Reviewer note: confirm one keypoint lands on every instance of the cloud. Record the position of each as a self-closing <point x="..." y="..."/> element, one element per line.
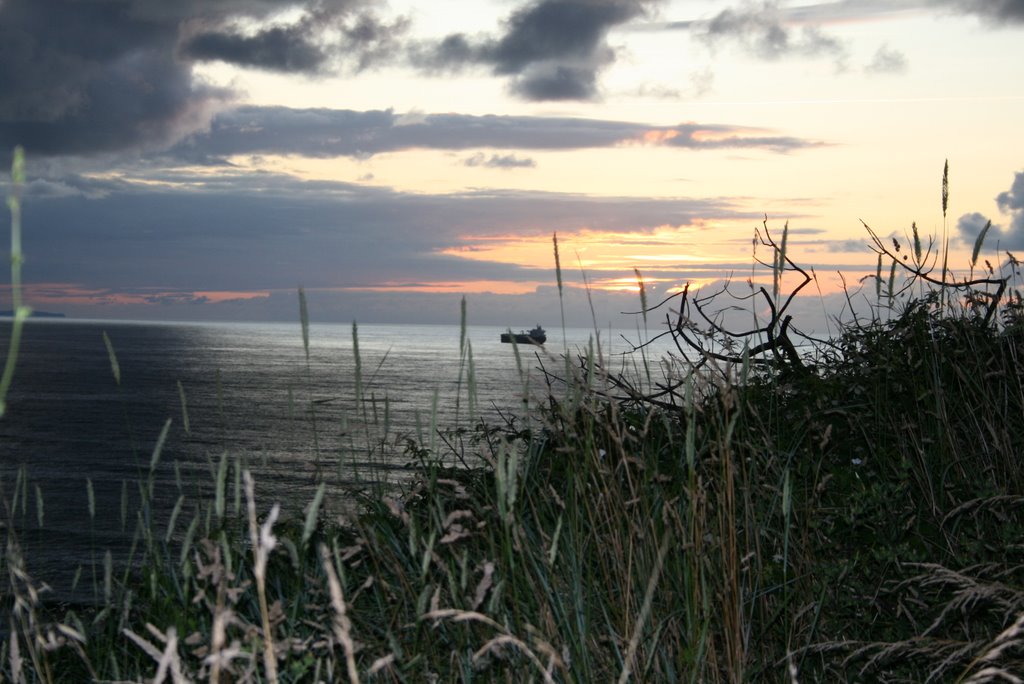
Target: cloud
<point x="887" y="61"/>
<point x="319" y="41"/>
<point x="995" y="12"/>
<point x="81" y="78"/>
<point x="702" y="82"/>
<point x="550" y="49"/>
<point x="1013" y="199"/>
<point x="850" y="10"/>
<point x="369" y="40"/>
<point x="1010" y="203"/>
<point x="86" y="78"/>
<point x="557" y="82"/>
<point x="816" y="14"/>
<point x="238" y="232"/>
<point x="495" y="161"/>
<point x="772" y="31"/>
<point x="852" y="245"/>
<point x="837" y="11"/>
<point x="764" y="30"/>
<point x="275" y="49"/>
<point x="329" y="133"/>
<point x="971" y="225"/>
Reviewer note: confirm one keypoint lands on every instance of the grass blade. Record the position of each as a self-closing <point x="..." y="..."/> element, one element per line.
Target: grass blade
<point x="304" y="321"/>
<point x="643" y="294"/>
<point x="220" y="495"/>
<point x="945" y="188"/>
<point x="115" y="367"/>
<point x="917" y="243"/>
<point x="184" y="408"/>
<point x="311" y="514"/>
<point x="20" y="312"/>
<point x="159" y="446"/>
<point x="558" y="277"/>
<point x="978" y="243"/>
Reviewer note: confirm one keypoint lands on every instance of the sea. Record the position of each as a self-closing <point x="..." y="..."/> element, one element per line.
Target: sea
<point x="357" y="409"/>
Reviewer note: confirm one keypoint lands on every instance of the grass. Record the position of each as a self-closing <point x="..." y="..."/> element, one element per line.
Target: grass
<point x="854" y="514"/>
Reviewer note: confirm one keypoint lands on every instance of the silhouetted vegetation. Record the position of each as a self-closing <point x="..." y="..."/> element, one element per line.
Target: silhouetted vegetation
<point x="760" y="507"/>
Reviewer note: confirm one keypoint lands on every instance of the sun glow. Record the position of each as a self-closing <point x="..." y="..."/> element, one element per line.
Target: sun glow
<point x="454" y="286"/>
<point x="598" y="249"/>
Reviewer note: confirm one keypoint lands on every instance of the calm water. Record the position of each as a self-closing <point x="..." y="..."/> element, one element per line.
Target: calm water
<point x="250" y="395"/>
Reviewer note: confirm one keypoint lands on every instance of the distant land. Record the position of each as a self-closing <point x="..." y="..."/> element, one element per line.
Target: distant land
<point x="35" y="314"/>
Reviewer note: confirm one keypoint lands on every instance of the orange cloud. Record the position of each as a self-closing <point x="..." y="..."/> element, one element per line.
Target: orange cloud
<point x="453" y="286"/>
<point x="216" y="296"/>
<point x="658" y="137"/>
<point x="56" y="295"/>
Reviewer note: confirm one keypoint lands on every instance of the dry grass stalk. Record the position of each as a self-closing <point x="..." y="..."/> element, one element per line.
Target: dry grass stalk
<point x="971" y="591"/>
<point x="503" y="639"/>
<point x="342" y="624"/>
<point x="263" y="542"/>
<point x="24" y="619"/>
<point x="791" y="670"/>
<point x="994" y="674"/>
<point x="14" y="655"/>
<point x="1011" y="637"/>
<point x="167" y="660"/>
<point x="645" y="609"/>
<point x="968" y="591"/>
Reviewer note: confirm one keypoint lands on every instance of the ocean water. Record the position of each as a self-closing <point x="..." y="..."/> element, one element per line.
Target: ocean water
<point x="250" y="397"/>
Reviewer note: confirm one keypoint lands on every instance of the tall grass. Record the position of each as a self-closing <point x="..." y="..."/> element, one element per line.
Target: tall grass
<point x="20" y="311"/>
<point x="856" y="517"/>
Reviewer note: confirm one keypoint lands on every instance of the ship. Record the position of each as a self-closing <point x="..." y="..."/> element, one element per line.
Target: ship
<point x="534" y="336"/>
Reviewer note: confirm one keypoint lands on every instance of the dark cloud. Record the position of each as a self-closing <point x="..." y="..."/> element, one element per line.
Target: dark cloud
<point x="82" y="78"/>
<point x="556" y="82"/>
<point x="1013" y="199"/>
<point x="994" y="11"/>
<point x="551" y="49"/>
<point x="333" y="133"/>
<point x="237" y="232"/>
<point x="451" y="54"/>
<point x="175" y="298"/>
<point x="971" y="225"/>
<point x="1010" y="203"/>
<point x="495" y="161"/>
<point x="557" y="30"/>
<point x="85" y="77"/>
<point x="764" y="30"/>
<point x="322" y="39"/>
<point x="275" y="49"/>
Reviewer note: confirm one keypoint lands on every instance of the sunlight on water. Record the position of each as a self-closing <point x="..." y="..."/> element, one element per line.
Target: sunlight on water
<point x="248" y="395"/>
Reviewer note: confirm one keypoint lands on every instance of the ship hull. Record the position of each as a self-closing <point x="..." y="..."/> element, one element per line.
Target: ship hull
<point x="522" y="338"/>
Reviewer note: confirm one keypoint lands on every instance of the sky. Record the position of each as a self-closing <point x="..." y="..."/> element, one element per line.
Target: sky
<point x="203" y="159"/>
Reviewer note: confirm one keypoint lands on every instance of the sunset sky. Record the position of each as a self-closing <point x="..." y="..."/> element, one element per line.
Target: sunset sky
<point x="201" y="159"/>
